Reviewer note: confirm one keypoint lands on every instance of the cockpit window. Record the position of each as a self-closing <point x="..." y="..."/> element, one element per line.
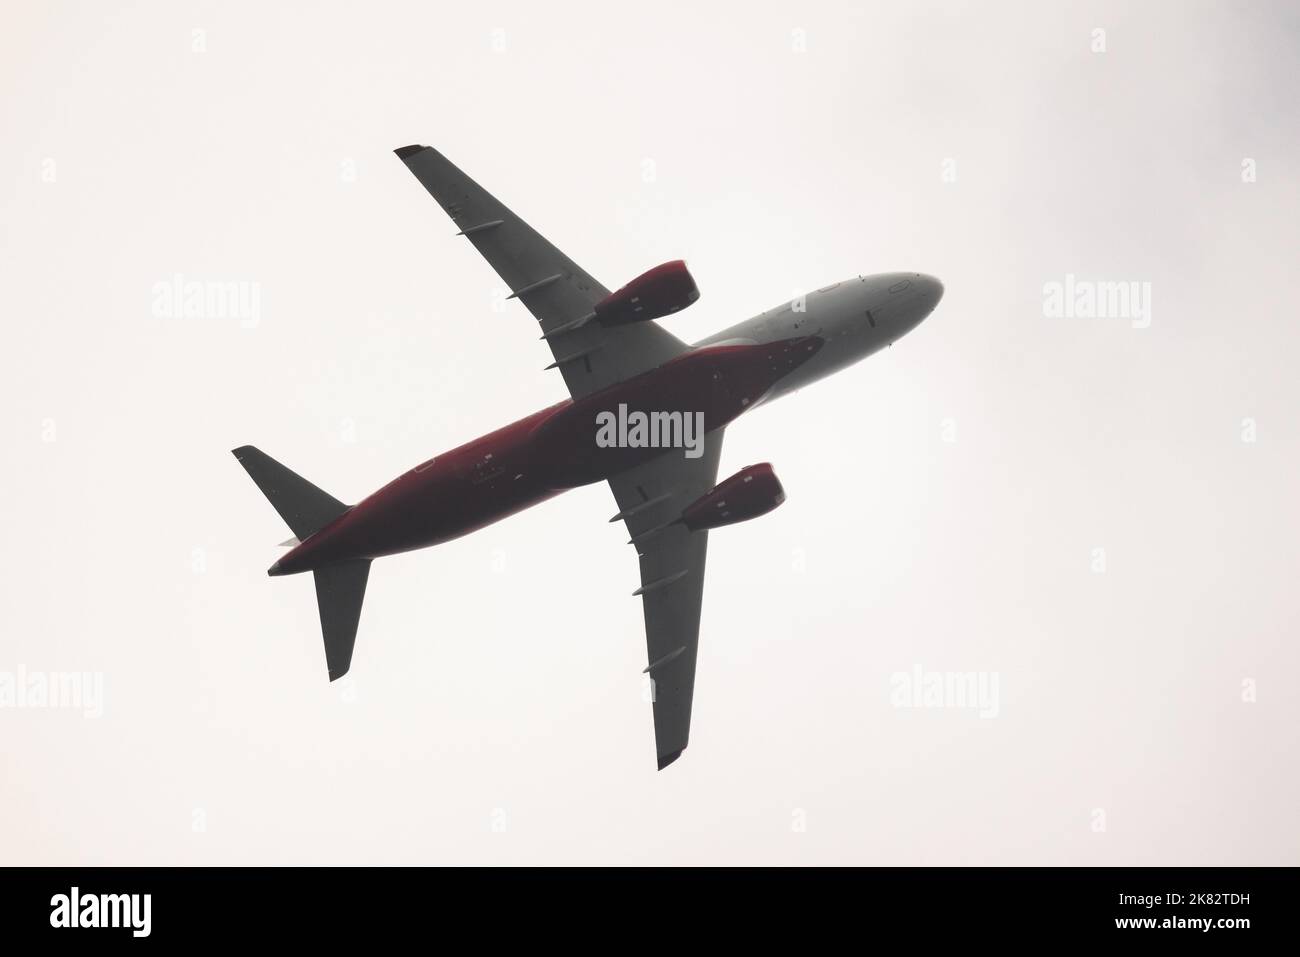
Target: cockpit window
<point x="900" y="286"/>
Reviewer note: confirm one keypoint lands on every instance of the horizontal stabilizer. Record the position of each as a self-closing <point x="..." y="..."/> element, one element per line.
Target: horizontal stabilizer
<point x="340" y="590"/>
<point x="304" y="507"/>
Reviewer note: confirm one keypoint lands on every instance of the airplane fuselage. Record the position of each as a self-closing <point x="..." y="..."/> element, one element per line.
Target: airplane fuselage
<point x="557" y="448"/>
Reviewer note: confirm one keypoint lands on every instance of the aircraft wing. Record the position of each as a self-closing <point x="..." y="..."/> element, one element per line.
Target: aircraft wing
<point x="554" y="288"/>
<point x="672" y="578"/>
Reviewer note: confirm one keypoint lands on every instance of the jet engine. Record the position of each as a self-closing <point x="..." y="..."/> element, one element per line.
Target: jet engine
<point x="652" y="295"/>
<point x="751" y="492"/>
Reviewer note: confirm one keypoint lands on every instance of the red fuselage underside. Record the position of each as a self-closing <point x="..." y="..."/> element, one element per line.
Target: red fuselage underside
<point x="544" y="454"/>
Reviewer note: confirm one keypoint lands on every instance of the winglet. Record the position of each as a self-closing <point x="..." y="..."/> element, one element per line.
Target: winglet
<point x="404" y="151"/>
<point x="667" y="759"/>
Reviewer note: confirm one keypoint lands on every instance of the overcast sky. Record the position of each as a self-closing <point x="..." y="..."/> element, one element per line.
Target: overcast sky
<point x="1096" y="517"/>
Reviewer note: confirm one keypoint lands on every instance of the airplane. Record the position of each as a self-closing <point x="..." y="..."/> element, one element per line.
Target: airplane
<point x="616" y="360"/>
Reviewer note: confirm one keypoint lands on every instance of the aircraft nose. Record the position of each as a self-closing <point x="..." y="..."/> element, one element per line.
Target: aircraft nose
<point x="929" y="292"/>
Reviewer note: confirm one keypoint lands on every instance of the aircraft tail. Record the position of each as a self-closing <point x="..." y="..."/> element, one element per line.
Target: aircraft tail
<point x="341" y="587"/>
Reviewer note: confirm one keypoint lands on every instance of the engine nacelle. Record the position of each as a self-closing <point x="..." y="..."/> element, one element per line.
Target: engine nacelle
<point x="652" y="295"/>
<point x="751" y="492"/>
